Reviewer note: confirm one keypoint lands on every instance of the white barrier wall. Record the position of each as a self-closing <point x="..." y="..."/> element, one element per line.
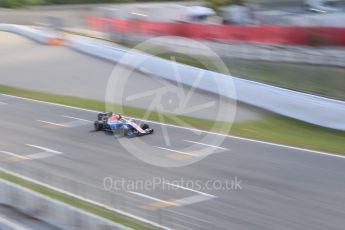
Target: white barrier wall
<point x="51" y="211"/>
<point x="26" y="31"/>
<point x="309" y="108"/>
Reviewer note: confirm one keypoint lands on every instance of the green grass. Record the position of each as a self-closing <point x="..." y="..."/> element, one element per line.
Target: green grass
<point x="272" y="128"/>
<point x="77" y="203"/>
<point x="283" y="130"/>
<point x="320" y="80"/>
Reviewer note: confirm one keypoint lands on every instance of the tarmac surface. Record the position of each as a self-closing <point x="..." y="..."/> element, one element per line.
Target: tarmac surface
<point x="241" y="184"/>
<point x="178" y="177"/>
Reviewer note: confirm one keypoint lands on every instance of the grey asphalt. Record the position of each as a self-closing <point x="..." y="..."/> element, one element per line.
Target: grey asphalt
<point x="279" y="188"/>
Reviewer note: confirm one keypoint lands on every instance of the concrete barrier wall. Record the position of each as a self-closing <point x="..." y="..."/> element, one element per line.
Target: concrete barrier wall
<point x="309" y="108"/>
<point x="44" y="37"/>
<point x="28" y="32"/>
<point x="49" y="210"/>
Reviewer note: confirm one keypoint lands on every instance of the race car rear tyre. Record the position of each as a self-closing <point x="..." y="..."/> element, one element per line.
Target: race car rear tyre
<point x="98" y="126"/>
<point x="125" y="131"/>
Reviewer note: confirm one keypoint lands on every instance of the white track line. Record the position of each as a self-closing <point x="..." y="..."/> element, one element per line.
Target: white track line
<point x="180" y="202"/>
<point x="152" y="198"/>
<point x="191" y="129"/>
<point x="40" y="155"/>
<point x="87" y="200"/>
<point x="52" y="123"/>
<point x="76" y="118"/>
<point x="3" y="103"/>
<point x="176" y="151"/>
<point x="212" y="146"/>
<point x="47" y="153"/>
<point x="191" y="190"/>
<point x="14" y="155"/>
<point x="11" y="224"/>
<point x="193" y="199"/>
<point x="44" y="149"/>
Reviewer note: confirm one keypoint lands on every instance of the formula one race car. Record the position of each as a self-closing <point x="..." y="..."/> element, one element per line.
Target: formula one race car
<point x="116" y="124"/>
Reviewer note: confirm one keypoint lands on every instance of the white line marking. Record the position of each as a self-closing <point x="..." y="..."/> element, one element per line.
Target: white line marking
<point x="3" y="103"/>
<point x="152" y="198"/>
<point x="40" y="155"/>
<point x="107" y="221"/>
<point x="47" y="153"/>
<point x="12" y="224"/>
<point x="52" y="123"/>
<point x="191" y="129"/>
<point x="14" y="155"/>
<point x="76" y="118"/>
<point x="192" y="200"/>
<point x="87" y="200"/>
<point x="191" y="190"/>
<point x="78" y="122"/>
<point x="212" y="146"/>
<point x="176" y="151"/>
<point x="44" y="149"/>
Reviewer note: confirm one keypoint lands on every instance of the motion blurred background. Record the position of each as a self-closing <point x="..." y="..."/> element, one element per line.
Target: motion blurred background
<point x="297" y="45"/>
<point x="293" y="44"/>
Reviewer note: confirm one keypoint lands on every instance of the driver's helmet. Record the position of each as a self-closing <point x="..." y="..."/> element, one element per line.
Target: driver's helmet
<point x="115" y="117"/>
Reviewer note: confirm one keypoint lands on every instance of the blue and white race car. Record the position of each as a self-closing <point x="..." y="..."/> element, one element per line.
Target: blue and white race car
<point x="117" y="124"/>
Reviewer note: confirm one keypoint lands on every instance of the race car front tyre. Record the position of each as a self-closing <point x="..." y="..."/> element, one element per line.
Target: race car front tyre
<point x="149" y="131"/>
<point x="144" y="126"/>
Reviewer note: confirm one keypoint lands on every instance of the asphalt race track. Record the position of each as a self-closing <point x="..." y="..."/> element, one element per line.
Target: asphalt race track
<point x="277" y="187"/>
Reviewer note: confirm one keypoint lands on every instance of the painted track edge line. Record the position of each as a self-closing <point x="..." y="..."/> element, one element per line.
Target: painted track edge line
<point x="191" y="190"/>
<point x="87" y="200"/>
<point x="8" y="222"/>
<point x="152" y="198"/>
<point x="191" y="129"/>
